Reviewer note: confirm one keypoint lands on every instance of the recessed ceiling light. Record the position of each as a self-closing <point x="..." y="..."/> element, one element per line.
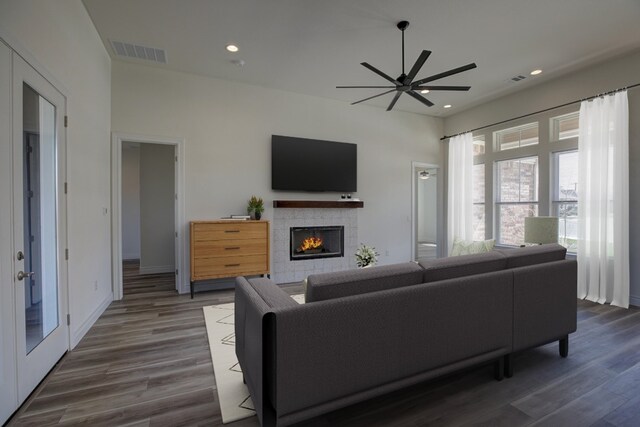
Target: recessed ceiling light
<point x="424" y="91"/>
<point x="447" y="106"/>
<point x="536" y="72"/>
<point x="232" y="48"/>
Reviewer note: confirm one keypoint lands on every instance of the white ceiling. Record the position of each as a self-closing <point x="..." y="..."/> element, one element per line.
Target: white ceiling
<point x="310" y="46"/>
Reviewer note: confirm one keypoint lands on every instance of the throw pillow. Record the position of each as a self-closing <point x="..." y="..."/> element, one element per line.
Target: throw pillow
<point x="463" y="247"/>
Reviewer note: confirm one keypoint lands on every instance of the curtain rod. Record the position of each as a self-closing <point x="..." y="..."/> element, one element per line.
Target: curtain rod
<point x="542" y="111"/>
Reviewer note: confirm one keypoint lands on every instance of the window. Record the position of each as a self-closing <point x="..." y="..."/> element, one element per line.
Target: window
<point x="478" y="202"/>
<point x="516" y="137"/>
<point x="565" y="127"/>
<point x="516" y="197"/>
<point x="511" y="161"/>
<point x="478" y="145"/>
<point x="565" y="198"/>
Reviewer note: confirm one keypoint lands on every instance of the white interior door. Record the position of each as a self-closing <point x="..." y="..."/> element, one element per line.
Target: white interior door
<point x="39" y="234"/>
<point x="9" y="388"/>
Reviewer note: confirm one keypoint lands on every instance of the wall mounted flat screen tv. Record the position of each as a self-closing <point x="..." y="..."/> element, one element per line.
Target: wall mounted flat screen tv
<point x="300" y="164"/>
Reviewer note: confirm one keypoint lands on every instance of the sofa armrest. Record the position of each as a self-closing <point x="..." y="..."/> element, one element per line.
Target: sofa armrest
<point x="254" y="301"/>
<point x="545" y="303"/>
<point x="331" y="349"/>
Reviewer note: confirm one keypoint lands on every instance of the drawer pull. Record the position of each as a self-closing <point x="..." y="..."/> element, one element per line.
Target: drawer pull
<point x="232" y="265"/>
<point x="231" y="231"/>
<point x="232" y="248"/>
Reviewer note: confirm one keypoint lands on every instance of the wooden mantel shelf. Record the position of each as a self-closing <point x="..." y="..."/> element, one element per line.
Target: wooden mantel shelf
<point x="347" y="204"/>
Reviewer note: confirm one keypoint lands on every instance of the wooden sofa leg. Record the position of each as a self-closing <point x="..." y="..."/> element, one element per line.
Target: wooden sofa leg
<point x="508" y="365"/>
<point x="564" y="346"/>
<point x="498" y="369"/>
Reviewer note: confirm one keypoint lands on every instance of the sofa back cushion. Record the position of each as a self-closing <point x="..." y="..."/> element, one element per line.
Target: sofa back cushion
<point x="463" y="265"/>
<point x="353" y="282"/>
<point x="531" y="255"/>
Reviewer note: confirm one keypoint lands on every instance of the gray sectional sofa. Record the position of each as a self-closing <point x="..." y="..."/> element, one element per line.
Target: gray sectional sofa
<point x="367" y="332"/>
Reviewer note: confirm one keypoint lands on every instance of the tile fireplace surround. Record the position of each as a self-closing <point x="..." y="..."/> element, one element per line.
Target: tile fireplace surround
<point x="287" y="271"/>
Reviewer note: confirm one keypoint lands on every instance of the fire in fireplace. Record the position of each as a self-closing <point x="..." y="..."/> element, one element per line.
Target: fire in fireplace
<point x="311" y="245"/>
<point x="316" y="242"/>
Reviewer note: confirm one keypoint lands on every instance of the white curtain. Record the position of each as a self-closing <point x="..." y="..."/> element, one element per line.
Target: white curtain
<point x="603" y="200"/>
<point x="460" y="189"/>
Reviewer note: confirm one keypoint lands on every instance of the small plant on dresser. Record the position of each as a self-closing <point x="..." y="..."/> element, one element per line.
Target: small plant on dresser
<point x="255" y="207"/>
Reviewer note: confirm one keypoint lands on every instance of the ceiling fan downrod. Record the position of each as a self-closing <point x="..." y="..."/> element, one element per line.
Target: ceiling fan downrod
<point x="403" y="25"/>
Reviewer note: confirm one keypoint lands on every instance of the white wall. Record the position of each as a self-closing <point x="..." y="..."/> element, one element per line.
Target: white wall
<point x="130" y="200"/>
<point x="59" y="39"/>
<point x="228" y="128"/>
<point x="157" y="208"/>
<point x="427" y="209"/>
<point x="616" y="73"/>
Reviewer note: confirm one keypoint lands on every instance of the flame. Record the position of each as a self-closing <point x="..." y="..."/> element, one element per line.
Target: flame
<point x="310" y="243"/>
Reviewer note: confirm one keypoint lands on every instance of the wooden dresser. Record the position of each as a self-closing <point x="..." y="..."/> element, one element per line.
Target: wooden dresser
<point x="228" y="249"/>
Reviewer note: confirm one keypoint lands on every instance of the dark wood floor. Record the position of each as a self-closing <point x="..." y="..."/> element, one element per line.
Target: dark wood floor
<point x="146" y="363"/>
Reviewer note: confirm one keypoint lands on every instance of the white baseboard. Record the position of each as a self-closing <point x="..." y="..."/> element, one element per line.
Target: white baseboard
<point x="634" y="300"/>
<point x="156" y="269"/>
<point x="126" y="257"/>
<point x="77" y="335"/>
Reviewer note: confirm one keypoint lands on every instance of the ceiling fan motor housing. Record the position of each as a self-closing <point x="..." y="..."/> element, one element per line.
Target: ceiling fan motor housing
<point x="403" y="25"/>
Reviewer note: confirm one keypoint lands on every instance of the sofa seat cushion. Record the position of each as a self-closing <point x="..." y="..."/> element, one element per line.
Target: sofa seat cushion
<point x="327" y="286"/>
<point x="531" y="255"/>
<point x="463" y="265"/>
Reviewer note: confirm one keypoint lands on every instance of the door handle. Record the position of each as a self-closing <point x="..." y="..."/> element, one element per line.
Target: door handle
<point x="21" y="274"/>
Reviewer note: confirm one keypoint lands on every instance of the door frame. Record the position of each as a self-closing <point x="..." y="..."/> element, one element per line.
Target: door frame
<point x="117" y="139"/>
<point x="415" y="166"/>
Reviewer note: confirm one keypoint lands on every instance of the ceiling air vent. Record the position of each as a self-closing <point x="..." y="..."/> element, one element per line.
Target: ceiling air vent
<point x="518" y="78"/>
<point x="130" y="50"/>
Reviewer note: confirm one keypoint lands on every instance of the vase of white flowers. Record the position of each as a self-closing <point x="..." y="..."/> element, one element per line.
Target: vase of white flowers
<point x="366" y="256"/>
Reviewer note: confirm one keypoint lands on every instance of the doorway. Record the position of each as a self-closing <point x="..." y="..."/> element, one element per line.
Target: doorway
<point x="426" y="211"/>
<point x="148" y="222"/>
<point x="35" y="323"/>
<point x="147" y="214"/>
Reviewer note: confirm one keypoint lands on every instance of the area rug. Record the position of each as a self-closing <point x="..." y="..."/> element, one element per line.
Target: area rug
<point x="233" y="395"/>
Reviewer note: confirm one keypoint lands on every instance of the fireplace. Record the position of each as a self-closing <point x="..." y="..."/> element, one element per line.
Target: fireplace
<point x="316" y="242"/>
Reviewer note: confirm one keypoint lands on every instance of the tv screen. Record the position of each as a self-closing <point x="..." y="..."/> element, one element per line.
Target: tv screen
<point x="300" y="164"/>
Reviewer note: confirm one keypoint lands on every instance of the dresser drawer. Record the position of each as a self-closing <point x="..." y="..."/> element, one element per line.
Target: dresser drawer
<point x="230" y="266"/>
<point x="232" y="231"/>
<point x="229" y="248"/>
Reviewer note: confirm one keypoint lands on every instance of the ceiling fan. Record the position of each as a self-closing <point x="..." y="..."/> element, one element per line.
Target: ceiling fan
<point x="405" y="84"/>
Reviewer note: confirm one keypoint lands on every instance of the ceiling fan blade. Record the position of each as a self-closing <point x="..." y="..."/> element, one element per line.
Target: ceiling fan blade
<point x="461" y="88"/>
<point x="394" y="100"/>
<point x="366" y="87"/>
<point x="416" y="67"/>
<point x="445" y="74"/>
<point x="374" y="96"/>
<point x="381" y="74"/>
<point x="420" y="98"/>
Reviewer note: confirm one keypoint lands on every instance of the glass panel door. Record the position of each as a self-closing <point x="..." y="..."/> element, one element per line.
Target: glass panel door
<point x="39" y="216"/>
<point x="39" y="236"/>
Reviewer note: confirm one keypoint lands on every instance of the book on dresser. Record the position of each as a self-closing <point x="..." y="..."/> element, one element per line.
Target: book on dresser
<point x="228" y="248"/>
